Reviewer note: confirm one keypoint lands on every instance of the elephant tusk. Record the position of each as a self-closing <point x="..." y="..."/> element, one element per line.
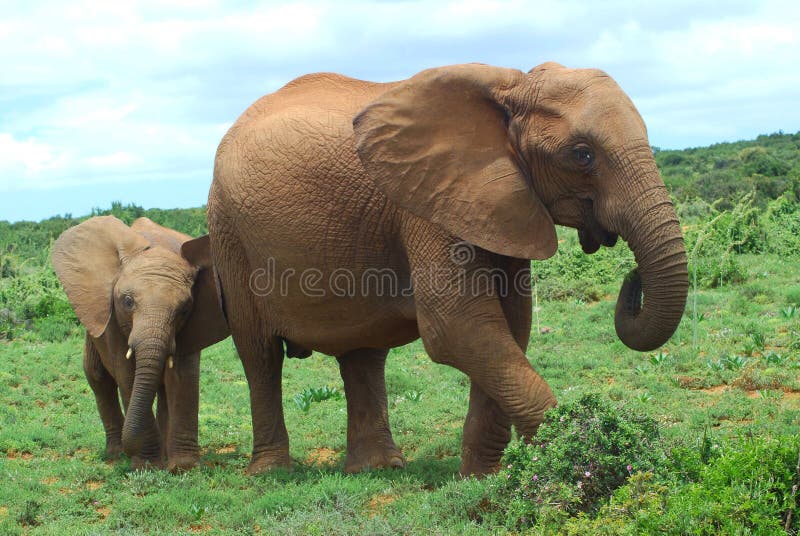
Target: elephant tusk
<point x="129" y="354"/>
<point x="170" y="362"/>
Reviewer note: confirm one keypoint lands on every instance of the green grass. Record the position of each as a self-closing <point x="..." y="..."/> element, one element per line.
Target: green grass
<point x="724" y="391"/>
<point x="54" y="480"/>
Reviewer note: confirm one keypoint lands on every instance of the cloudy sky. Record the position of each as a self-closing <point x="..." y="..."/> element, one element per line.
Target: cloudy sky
<point x="104" y="101"/>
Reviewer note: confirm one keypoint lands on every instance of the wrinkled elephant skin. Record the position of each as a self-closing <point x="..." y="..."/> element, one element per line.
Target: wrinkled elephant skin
<point x="329" y="184"/>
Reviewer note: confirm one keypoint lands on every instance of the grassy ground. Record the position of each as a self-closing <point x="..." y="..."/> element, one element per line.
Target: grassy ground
<point x="740" y="379"/>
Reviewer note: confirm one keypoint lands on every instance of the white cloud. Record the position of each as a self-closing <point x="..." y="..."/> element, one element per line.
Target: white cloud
<point x="23" y="159"/>
<point x="118" y="159"/>
<point x="96" y="91"/>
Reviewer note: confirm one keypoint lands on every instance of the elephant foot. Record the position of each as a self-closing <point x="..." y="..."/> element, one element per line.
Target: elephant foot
<point x="266" y="461"/>
<point x="181" y="463"/>
<point x="144" y="464"/>
<point x="373" y="457"/>
<point x="472" y="464"/>
<point x="113" y="451"/>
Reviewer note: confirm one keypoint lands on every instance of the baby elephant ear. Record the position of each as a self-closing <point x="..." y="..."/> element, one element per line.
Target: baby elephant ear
<point x="206" y="324"/>
<point x="438" y="146"/>
<point x="87" y="259"/>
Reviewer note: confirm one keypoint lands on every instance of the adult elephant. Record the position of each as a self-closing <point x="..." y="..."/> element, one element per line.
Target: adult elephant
<point x="331" y="178"/>
<point x="147" y="298"/>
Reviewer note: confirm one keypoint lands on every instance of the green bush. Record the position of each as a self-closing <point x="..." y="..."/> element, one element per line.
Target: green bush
<point x="758" y="161"/>
<point x="722" y="173"/>
<point x="714" y="244"/>
<point x="782" y="223"/>
<point x="695" y="210"/>
<point x="35" y="302"/>
<point x="753" y="481"/>
<point x="570" y="274"/>
<point x="748" y="488"/>
<point x="582" y="452"/>
<point x="633" y="510"/>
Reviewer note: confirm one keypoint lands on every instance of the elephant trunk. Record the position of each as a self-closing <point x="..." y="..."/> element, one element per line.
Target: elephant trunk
<point x="654" y="234"/>
<point x="150" y="354"/>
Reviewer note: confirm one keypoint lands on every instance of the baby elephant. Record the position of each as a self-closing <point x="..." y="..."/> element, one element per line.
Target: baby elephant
<point x="147" y="298"/>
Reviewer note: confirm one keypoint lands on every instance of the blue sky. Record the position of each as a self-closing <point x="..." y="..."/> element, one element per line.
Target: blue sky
<point x="103" y="101"/>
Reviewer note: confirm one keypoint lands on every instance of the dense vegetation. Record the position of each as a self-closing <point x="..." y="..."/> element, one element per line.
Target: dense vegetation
<point x="32" y="303"/>
<point x="767" y="166"/>
<point x="700" y="437"/>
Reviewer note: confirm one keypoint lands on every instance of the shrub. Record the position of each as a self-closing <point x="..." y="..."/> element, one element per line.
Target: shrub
<point x="696" y="209"/>
<point x="571" y="274"/>
<point x="581" y="453"/>
<point x="747" y="488"/>
<point x="758" y="161"/>
<point x="35" y="301"/>
<point x="782" y="223"/>
<point x="713" y="246"/>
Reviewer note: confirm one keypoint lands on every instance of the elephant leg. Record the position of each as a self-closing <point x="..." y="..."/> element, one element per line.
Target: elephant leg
<point x="263" y="363"/>
<point x="369" y="437"/>
<point x="261" y="351"/>
<point x="487" y="429"/>
<point x="481" y="346"/>
<point x="464" y="324"/>
<point x="182" y="389"/>
<point x="107" y="398"/>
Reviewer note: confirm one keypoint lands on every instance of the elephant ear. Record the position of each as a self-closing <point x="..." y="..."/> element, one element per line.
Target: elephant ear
<point x="438" y="146"/>
<point x="159" y="235"/>
<point x="87" y="259"/>
<point x="206" y="324"/>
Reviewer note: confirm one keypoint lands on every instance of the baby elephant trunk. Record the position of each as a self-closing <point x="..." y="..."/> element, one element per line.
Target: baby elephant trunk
<point x="140" y="436"/>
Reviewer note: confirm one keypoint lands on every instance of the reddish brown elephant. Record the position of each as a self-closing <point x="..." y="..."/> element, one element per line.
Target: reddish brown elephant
<point x="352" y="217"/>
<point x="147" y="298"/>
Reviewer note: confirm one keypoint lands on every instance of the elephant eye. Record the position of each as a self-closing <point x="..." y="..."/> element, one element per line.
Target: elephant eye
<point x="127" y="301"/>
<point x="584" y="157"/>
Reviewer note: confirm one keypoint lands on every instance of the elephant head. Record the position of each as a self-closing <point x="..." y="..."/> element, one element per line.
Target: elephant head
<point x="497" y="157"/>
<point x="155" y="285"/>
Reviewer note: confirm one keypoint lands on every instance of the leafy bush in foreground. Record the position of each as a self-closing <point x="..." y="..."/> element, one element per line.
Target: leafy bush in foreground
<point x="748" y="488"/>
<point x="582" y="452"/>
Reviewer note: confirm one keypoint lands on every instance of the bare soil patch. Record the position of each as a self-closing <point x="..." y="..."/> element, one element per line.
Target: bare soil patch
<point x="378" y="502"/>
<point x="17" y="455"/>
<point x="717" y="389"/>
<point x="690" y="382"/>
<point x="322" y="456"/>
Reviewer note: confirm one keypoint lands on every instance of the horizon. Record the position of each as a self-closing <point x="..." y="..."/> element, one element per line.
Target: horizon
<point x="203" y="203"/>
<point x="128" y="103"/>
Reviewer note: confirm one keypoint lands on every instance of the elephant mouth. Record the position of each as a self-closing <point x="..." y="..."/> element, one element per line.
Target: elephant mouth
<point x="591" y="234"/>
